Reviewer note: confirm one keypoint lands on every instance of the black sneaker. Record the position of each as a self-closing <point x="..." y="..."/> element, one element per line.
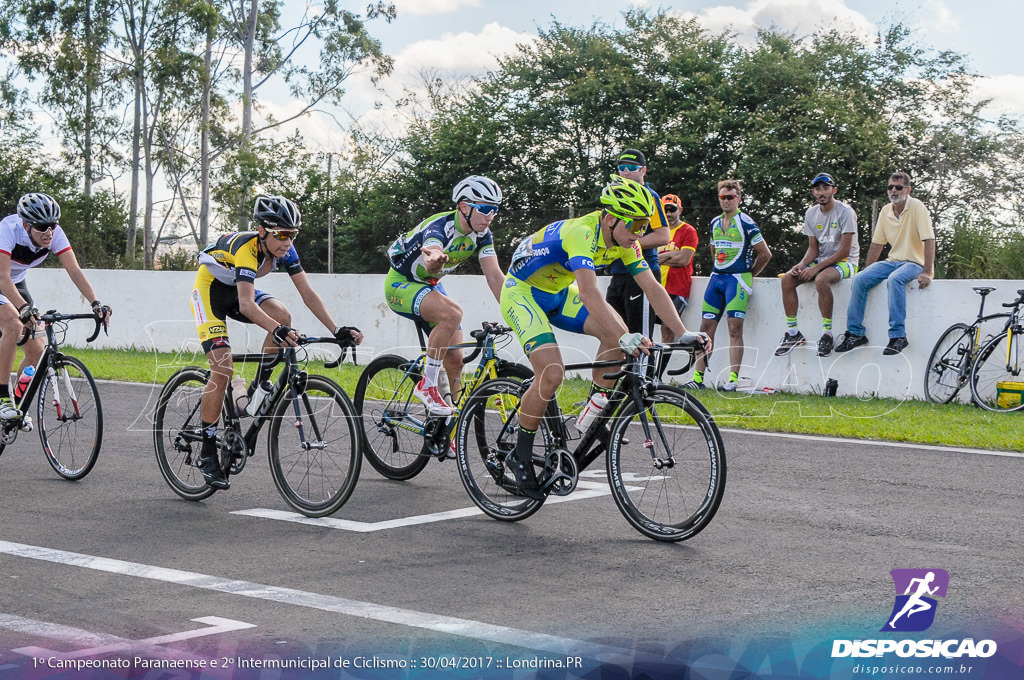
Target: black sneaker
<point x="789" y="343"/>
<point x="895" y="346"/>
<point x="851" y="341"/>
<point x="824" y="345"/>
<point x="694" y="385"/>
<point x="526" y="478"/>
<point x="209" y="464"/>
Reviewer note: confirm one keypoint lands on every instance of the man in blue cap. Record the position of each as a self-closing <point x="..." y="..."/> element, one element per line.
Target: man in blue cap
<point x="832" y="255"/>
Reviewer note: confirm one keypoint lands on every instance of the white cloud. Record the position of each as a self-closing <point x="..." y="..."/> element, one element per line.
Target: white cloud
<point x="423" y="7"/>
<point x="939" y="17"/>
<point x="1006" y="93"/>
<point x="801" y="17"/>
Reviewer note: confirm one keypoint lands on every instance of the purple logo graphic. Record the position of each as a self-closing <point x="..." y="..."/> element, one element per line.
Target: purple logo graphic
<point x="916" y="590"/>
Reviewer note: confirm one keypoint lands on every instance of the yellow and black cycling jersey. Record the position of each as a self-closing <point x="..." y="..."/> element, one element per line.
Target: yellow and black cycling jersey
<point x="237" y="257"/>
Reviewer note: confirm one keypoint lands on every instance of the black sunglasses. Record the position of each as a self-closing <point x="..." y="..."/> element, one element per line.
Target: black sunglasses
<point x="44" y="227"/>
<point x="895" y="187"/>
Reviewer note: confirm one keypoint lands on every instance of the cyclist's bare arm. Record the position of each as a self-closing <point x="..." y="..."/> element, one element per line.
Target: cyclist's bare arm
<point x="68" y="260"/>
<point x="313" y="301"/>
<point x="492" y="272"/>
<point x="659" y="299"/>
<point x="248" y="307"/>
<point x="7" y="286"/>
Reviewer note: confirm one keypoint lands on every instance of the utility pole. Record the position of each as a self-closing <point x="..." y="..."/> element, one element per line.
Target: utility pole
<point x="330" y="218"/>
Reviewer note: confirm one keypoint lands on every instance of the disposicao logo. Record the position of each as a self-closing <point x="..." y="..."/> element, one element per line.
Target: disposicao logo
<point x="913" y="611"/>
<point x="916" y="590"/>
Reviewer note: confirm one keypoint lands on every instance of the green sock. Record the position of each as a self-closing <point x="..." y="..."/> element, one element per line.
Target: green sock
<point x="733" y="376"/>
<point x="826" y="325"/>
<point x="791" y="325"/>
<point x="698" y="376"/>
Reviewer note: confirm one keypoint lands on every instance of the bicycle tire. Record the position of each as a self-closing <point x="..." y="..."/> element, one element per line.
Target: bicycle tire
<point x="990" y="368"/>
<point x="946" y="364"/>
<point x="384" y="388"/>
<point x="177" y="409"/>
<point x="483" y="438"/>
<point x="71" y="428"/>
<point x="315" y="476"/>
<point x="675" y="503"/>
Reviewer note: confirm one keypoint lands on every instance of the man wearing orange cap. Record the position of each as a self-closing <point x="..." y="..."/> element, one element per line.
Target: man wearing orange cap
<point x="676" y="257"/>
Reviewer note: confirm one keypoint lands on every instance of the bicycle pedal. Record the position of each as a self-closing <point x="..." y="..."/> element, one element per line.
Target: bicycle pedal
<point x="26" y="424"/>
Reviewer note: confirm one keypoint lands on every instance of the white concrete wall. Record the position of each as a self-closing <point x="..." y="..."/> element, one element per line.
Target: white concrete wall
<point x="151" y="311"/>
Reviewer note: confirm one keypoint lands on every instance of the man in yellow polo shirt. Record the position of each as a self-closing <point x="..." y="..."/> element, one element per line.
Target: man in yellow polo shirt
<point x="905" y="225"/>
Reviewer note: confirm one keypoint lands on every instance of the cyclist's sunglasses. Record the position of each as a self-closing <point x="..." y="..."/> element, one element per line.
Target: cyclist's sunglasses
<point x="629" y="167"/>
<point x="44" y="227"/>
<point x="484" y="208"/>
<point x="636" y="225"/>
<point x="283" y="234"/>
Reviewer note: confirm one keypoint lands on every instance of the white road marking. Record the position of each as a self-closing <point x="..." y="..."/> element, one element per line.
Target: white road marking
<point x="820" y="439"/>
<point x="583" y="491"/>
<point x="214" y="626"/>
<point x="367" y="610"/>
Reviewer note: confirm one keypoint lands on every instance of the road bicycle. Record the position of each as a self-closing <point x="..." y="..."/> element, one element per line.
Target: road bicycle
<point x="949" y="366"/>
<point x="313" y="440"/>
<point x="400" y="437"/>
<point x="996" y="380"/>
<point x="68" y="412"/>
<point x="664" y="454"/>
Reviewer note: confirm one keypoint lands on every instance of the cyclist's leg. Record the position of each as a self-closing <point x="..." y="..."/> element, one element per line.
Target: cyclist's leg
<point x="453" y="366"/>
<point x="738" y="296"/>
<point x="213" y="334"/>
<point x="526" y="311"/>
<point x="11" y="329"/>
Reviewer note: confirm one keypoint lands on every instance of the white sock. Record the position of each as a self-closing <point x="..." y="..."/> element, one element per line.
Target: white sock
<point x="430" y="375"/>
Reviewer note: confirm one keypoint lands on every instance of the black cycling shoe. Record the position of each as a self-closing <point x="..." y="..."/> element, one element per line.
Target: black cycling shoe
<point x="526" y="478"/>
<point x="209" y="465"/>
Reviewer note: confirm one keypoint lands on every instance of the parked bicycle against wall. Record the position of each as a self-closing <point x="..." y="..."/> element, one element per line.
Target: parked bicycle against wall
<point x="996" y="380"/>
<point x="949" y="366"/>
<point x="313" y="441"/>
<point x="68" y="413"/>
<point x="400" y="436"/>
<point x="664" y="454"/>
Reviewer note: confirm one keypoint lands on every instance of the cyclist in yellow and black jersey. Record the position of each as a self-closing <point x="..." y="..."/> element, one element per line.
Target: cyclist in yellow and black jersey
<point x="226" y="287"/>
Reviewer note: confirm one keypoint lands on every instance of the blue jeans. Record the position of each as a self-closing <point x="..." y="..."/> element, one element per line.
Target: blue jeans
<point x="898" y="274"/>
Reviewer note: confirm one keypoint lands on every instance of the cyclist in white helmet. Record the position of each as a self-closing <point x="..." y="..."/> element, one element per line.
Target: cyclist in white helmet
<point x="26" y="239"/>
<point x="437" y="246"/>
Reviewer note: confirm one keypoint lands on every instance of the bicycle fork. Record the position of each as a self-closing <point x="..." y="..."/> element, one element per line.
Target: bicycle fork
<point x="659" y="463"/>
<point x="69" y="390"/>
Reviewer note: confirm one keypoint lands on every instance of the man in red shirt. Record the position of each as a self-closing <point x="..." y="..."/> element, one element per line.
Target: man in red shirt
<point x="676" y="257"/>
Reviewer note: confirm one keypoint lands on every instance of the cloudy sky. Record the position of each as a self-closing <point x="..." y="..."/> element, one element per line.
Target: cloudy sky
<point x="464" y="37"/>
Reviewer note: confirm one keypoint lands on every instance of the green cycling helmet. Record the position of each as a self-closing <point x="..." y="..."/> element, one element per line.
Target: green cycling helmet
<point x="627" y="199"/>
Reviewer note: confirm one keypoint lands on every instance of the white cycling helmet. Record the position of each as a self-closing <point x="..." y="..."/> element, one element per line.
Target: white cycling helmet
<point x="477" y="189"/>
<point x="38" y="209"/>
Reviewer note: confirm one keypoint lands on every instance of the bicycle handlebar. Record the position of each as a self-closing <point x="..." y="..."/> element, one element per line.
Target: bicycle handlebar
<point x="488" y="329"/>
<point x="1018" y="301"/>
<point x="53" y="316"/>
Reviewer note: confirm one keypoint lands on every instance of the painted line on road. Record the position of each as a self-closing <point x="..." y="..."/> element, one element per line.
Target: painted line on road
<point x="584" y="490"/>
<point x="475" y="630"/>
<point x="214" y="625"/>
<point x="871" y="442"/>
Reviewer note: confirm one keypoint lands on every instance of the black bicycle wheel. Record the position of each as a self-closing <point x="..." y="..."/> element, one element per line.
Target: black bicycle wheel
<point x="998" y="374"/>
<point x="314" y="447"/>
<point x="948" y="366"/>
<point x="70" y="418"/>
<point x="385" y="402"/>
<point x="670" y="502"/>
<point x="484" y="439"/>
<point x="177" y="412"/>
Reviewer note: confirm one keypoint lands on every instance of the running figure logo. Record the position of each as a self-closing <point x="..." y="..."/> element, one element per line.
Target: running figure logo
<point x="914" y="609"/>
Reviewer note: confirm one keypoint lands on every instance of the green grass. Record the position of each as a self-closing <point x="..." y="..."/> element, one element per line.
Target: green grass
<point x="884" y="419"/>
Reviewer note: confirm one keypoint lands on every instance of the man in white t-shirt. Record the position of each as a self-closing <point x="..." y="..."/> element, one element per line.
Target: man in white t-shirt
<point x="832" y="255"/>
<point x="26" y="239"/>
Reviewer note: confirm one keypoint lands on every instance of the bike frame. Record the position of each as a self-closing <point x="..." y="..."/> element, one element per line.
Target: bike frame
<point x="291" y="378"/>
<point x="632" y="383"/>
<point x="486" y="369"/>
<point x="51" y="354"/>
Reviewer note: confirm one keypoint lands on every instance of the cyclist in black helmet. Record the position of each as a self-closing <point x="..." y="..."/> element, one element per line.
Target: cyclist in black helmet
<point x="26" y="239"/>
<point x="226" y="287"/>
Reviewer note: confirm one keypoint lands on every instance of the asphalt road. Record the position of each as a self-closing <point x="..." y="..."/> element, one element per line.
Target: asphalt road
<point x="804" y="540"/>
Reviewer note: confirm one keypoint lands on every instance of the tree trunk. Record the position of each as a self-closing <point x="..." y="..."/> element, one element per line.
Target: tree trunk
<point x="247" y="100"/>
<point x="204" y="145"/>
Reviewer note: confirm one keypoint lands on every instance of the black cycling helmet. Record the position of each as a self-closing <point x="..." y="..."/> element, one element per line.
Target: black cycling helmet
<point x="276" y="212"/>
<point x="38" y="209"/>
